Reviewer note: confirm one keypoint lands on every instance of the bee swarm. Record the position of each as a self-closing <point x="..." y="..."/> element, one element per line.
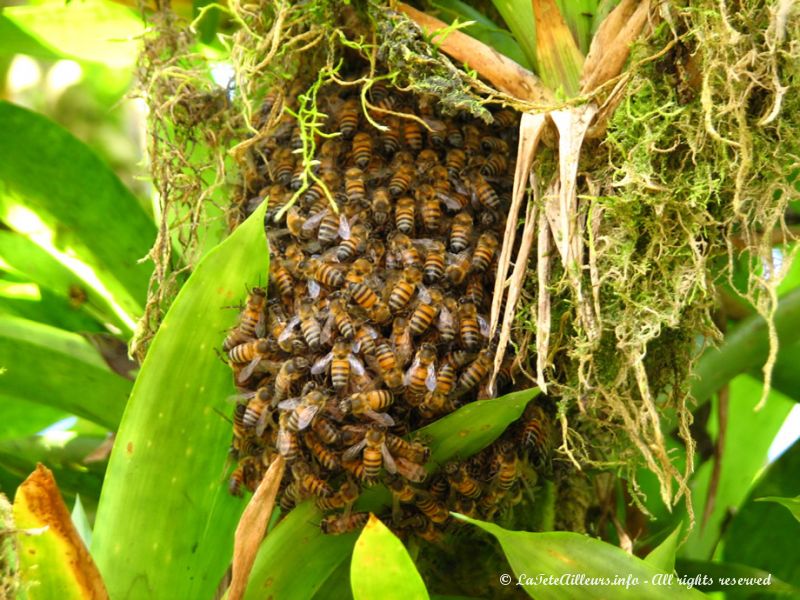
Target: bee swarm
<point x="376" y="321"/>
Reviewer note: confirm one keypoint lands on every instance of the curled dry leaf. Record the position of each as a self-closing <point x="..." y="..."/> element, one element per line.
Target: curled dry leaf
<point x="251" y="527"/>
<point x="55" y="563"/>
<point x="502" y="72"/>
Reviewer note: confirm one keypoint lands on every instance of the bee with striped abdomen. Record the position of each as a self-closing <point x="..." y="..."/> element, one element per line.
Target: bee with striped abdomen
<point x="348" y="117"/>
<point x="387" y="366"/>
<point x="375" y="453"/>
<point x="309" y="481"/>
<point x="485" y="249"/>
<point x="342" y="361"/>
<point x="372" y="405"/>
<point x="404" y="288"/>
<point x="362" y="149"/>
<point x="335" y="525"/>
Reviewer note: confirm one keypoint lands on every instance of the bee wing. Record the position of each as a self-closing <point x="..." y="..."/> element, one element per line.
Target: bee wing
<point x="287" y="331"/>
<point x="327" y="330"/>
<point x="410" y="372"/>
<point x="430" y="379"/>
<point x="245" y="373"/>
<point x="484" y="325"/>
<point x="381" y="418"/>
<point x="289" y="404"/>
<point x="353" y="451"/>
<point x="314" y="220"/>
<point x="306" y="416"/>
<point x="284" y="441"/>
<point x="388" y="460"/>
<point x="356" y="365"/>
<point x="450" y="201"/>
<point x="320" y="365"/>
<point x="313" y="288"/>
<point x="410" y="470"/>
<point x="261" y="424"/>
<point x="344" y="227"/>
<point x="445" y="318"/>
<point x="261" y="325"/>
<point x="236" y="398"/>
<point x="424" y="295"/>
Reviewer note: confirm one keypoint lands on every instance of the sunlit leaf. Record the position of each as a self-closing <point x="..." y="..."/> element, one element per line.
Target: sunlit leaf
<point x="90" y="30"/>
<point x="81" y="522"/>
<point x="337" y="586"/>
<point x="77" y="210"/>
<point x="382" y="568"/>
<point x="54" y="562"/>
<point x="758" y="581"/>
<point x="792" y="504"/>
<point x="560" y="554"/>
<point x="77" y="381"/>
<point x="168" y="468"/>
<point x="662" y="557"/>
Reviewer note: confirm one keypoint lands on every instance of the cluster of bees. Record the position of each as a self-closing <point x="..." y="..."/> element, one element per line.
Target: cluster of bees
<point x="375" y="324"/>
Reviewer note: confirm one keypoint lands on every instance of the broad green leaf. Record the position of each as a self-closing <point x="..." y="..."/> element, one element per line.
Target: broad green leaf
<point x="720" y="573"/>
<point x="741" y="462"/>
<point x="167" y="471"/>
<point x="559" y="59"/>
<point x="77" y="380"/>
<point x="19" y="255"/>
<point x="483" y="29"/>
<point x="54" y="562"/>
<point x="81" y="522"/>
<point x="561" y="554"/>
<point x="579" y="16"/>
<point x="382" y="568"/>
<point x="793" y="504"/>
<point x="90" y="30"/>
<point x="662" y="557"/>
<point x="518" y="15"/>
<point x="786" y="375"/>
<point x="337" y="586"/>
<point x="20" y="417"/>
<point x="77" y="209"/>
<point x="15" y="40"/>
<point x="296" y="559"/>
<point x="763" y="536"/>
<point x="43" y="306"/>
<point x="474" y="426"/>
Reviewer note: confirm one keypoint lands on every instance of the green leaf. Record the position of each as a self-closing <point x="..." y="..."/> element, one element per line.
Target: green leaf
<point x="662" y="557"/>
<point x="20" y="256"/>
<point x="518" y="15"/>
<point x="337" y="586"/>
<point x="558" y="554"/>
<point x="77" y="381"/>
<point x="307" y="558"/>
<point x="20" y="417"/>
<point x="483" y="29"/>
<point x="167" y="470"/>
<point x="761" y="536"/>
<point x="579" y="16"/>
<point x="786" y="375"/>
<point x="560" y="61"/>
<point x="81" y="522"/>
<point x="90" y="30"/>
<point x="49" y="309"/>
<point x="474" y="426"/>
<point x="718" y="572"/>
<point x="74" y="208"/>
<point x="381" y="567"/>
<point x="793" y="504"/>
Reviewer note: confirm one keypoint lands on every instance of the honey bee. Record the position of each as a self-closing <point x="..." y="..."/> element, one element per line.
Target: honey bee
<point x="411" y="451"/>
<point x="475" y="289"/>
<point x="292" y="496"/>
<point x="286" y="442"/>
<point x="362" y="149"/>
<point x="354" y="244"/>
<point x="435" y="404"/>
<point x="346" y="496"/>
<point x="422" y="373"/>
<point x="282" y="329"/>
<point x="251" y="353"/>
<point x="291" y="371"/>
<point x="365" y="337"/>
<point x="238" y="420"/>
<point x="284" y="166"/>
<point x="432" y="508"/>
<point x="536" y="433"/>
<point x="402" y="341"/>
<point x="485" y="249"/>
<point x="461" y="232"/>
<point x="302" y="411"/>
<point x="387" y="365"/>
<point x="348" y="117"/>
<point x="354" y="184"/>
<point x="369" y="404"/>
<point x="359" y="271"/>
<point x="375" y="452"/>
<point x="281" y="278"/>
<point x="412" y="134"/>
<point x="426" y="160"/>
<point x="505" y="118"/>
<point x="342" y="361"/>
<point x="400" y="180"/>
<point x="430" y="209"/>
<point x="326" y="457"/>
<point x="401" y="491"/>
<point x="340" y="317"/>
<point x="332" y="227"/>
<point x="476" y="371"/>
<point x="455" y="162"/>
<point x="323" y="273"/>
<point x="309" y="326"/>
<point x="367" y="299"/>
<point x="357" y="469"/>
<point x="331" y="148"/>
<point x="507" y="467"/>
<point x="484" y="193"/>
<point x="457" y="267"/>
<point x="446" y="321"/>
<point x="461" y="481"/>
<point x="251" y="323"/>
<point x="404" y="215"/>
<point x="472" y="326"/>
<point x="400" y="245"/>
<point x="334" y="525"/>
<point x="375" y="251"/>
<point x="438" y="132"/>
<point x="434" y="267"/>
<point x="404" y="288"/>
<point x="309" y="481"/>
<point x="255" y="416"/>
<point x="326" y="431"/>
<point x="495" y="165"/>
<point x="239" y="478"/>
<point x="472" y="139"/>
<point x="381" y="206"/>
<point x="426" y="310"/>
<point x="298" y="177"/>
<point x="422" y="527"/>
<point x="454" y="136"/>
<point x="389" y="140"/>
